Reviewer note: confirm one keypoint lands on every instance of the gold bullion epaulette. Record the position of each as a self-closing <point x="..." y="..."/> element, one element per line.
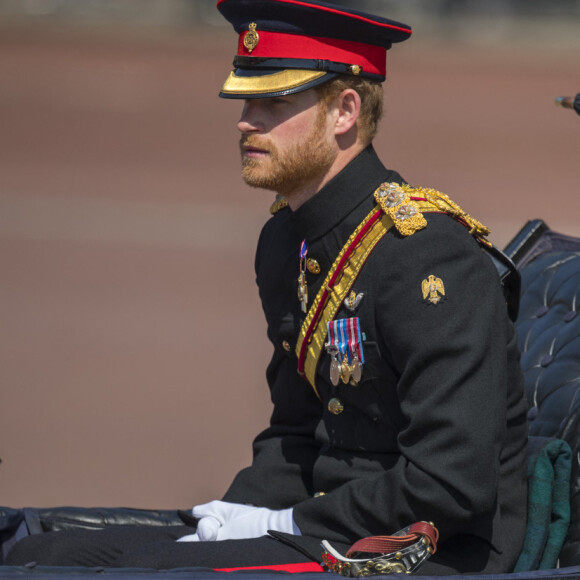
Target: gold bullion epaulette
<point x="280" y="203"/>
<point x="405" y="205"/>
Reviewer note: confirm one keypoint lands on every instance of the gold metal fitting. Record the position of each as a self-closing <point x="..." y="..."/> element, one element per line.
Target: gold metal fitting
<point x="312" y="266"/>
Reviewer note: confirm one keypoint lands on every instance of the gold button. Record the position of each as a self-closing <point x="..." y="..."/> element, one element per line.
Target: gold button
<point x="313" y="266"/>
<point x="319" y="493"/>
<point x="286" y="345"/>
<point x="335" y="406"/>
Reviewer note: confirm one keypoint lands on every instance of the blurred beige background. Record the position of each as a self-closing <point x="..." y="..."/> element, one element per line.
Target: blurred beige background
<point x="132" y="345"/>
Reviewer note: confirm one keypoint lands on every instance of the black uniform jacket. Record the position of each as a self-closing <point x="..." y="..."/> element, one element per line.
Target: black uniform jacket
<point x="436" y="429"/>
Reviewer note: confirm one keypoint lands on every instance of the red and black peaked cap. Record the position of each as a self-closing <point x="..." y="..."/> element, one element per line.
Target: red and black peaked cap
<point x="287" y="46"/>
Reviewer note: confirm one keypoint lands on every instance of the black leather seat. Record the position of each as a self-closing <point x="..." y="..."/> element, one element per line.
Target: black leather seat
<point x="548" y="328"/>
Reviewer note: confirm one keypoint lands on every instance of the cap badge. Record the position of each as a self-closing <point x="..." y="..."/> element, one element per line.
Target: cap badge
<point x="432" y="287"/>
<point x="251" y="38"/>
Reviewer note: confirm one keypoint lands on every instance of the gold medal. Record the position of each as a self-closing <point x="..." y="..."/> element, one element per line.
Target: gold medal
<point x="332" y="349"/>
<point x="345" y="371"/>
<point x="334" y="371"/>
<point x="355" y="371"/>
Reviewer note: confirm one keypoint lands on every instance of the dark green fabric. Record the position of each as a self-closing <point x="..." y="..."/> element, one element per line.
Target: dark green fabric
<point x="549" y="467"/>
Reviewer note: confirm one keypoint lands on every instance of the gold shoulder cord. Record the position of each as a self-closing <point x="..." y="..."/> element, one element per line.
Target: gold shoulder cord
<point x="398" y="205"/>
<point x="405" y="204"/>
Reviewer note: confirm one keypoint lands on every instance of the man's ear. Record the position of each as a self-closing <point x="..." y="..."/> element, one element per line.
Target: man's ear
<point x="347" y="111"/>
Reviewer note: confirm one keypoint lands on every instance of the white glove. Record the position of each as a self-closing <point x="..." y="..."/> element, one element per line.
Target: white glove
<point x="220" y="520"/>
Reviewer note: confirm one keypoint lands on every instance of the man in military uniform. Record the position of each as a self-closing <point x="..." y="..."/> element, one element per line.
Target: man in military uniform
<point x="395" y="375"/>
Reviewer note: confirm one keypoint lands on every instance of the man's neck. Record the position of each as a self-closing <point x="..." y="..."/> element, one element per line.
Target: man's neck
<point x="300" y="196"/>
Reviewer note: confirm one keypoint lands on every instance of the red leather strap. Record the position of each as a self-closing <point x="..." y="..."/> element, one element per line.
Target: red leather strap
<point x="387" y="544"/>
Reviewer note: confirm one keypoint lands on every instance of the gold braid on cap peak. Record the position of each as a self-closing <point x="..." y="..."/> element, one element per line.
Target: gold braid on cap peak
<point x="405" y="204"/>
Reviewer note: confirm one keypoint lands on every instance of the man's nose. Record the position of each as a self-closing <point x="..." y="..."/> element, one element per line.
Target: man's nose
<point x="249" y="120"/>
